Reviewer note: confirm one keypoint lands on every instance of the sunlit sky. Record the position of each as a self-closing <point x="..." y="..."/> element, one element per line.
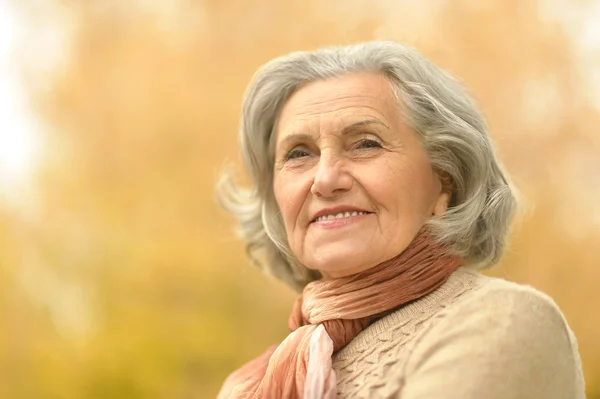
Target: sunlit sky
<point x="18" y="144"/>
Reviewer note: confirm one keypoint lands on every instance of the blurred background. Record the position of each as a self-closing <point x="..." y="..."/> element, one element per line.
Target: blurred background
<point x="119" y="275"/>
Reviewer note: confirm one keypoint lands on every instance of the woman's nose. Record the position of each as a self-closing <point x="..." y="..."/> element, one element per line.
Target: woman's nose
<point x="331" y="177"/>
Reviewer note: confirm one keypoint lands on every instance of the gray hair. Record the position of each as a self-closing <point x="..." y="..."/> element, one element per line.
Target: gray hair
<point x="433" y="103"/>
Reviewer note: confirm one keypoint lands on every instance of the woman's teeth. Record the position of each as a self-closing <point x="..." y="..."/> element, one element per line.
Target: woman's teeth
<point x="340" y="215"/>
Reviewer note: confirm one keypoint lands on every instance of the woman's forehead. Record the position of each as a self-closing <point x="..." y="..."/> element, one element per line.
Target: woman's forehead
<point x="336" y="103"/>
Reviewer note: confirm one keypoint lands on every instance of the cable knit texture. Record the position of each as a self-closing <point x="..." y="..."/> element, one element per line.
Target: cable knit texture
<point x="475" y="337"/>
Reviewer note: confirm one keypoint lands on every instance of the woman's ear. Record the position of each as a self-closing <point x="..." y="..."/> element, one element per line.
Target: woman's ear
<point x="442" y="203"/>
<point x="445" y="196"/>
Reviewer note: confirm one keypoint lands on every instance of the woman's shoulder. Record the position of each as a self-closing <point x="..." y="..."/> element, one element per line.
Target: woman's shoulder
<point x="509" y="335"/>
<point x="512" y="311"/>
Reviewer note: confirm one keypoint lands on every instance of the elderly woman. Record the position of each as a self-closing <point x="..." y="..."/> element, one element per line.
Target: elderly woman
<point x="377" y="193"/>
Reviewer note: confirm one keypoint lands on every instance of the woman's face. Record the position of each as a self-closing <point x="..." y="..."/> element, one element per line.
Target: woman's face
<point x="353" y="182"/>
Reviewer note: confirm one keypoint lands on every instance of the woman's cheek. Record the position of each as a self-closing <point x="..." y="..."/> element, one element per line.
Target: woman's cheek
<point x="287" y="206"/>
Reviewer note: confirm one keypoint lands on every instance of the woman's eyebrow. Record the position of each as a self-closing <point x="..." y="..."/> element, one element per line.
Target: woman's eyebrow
<point x="368" y="122"/>
<point x="299" y="137"/>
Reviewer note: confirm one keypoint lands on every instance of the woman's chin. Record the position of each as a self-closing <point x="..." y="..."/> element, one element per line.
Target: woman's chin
<point x="341" y="257"/>
<point x="340" y="264"/>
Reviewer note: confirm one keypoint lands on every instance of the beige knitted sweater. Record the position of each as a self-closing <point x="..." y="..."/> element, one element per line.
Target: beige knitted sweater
<point x="475" y="337"/>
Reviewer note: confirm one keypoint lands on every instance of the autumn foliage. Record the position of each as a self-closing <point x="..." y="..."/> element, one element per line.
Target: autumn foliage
<point x="119" y="275"/>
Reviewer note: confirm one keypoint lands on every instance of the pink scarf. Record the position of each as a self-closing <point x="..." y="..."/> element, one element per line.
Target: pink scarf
<point x="329" y="314"/>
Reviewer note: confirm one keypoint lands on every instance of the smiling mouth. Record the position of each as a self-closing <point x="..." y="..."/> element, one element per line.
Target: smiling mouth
<point x="340" y="215"/>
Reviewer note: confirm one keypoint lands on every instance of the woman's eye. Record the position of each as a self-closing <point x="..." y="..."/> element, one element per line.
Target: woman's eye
<point x="366" y="143"/>
<point x="296" y="153"/>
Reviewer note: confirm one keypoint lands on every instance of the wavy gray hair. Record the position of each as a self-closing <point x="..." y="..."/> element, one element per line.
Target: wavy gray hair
<point x="433" y="103"/>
